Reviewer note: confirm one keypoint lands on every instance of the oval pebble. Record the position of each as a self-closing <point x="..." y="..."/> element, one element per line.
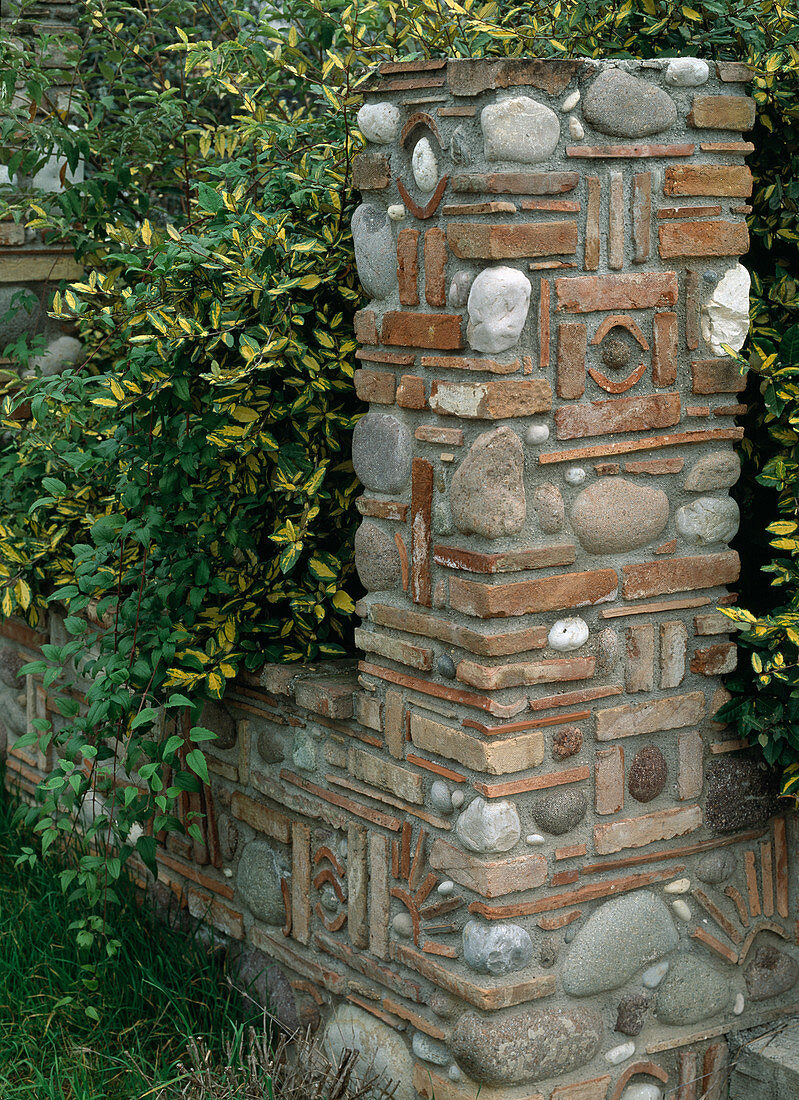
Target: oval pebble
<point x="575" y="475"/>
<point x="620" y="1053"/>
<point x="738" y="1006"/>
<point x="679" y="886"/>
<point x="681" y="909"/>
<point x="446" y="887"/>
<point x="655" y="975"/>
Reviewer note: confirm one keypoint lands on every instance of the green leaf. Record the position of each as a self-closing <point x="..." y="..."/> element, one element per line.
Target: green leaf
<point x="196" y="761"/>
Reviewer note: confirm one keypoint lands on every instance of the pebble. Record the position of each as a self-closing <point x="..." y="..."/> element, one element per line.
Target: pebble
<point x="496" y="948"/>
<point x="707" y="520"/>
<point x="454" y="1073"/>
<point x="568" y="634"/>
<point x="498" y="302"/>
<point x="558" y="813"/>
<point x="725" y="314"/>
<point x="679" y="886"/>
<point x="429" y="1050"/>
<point x="379" y="122"/>
<point x="381" y="452"/>
<point x="717" y="470"/>
<point x="519" y="129"/>
<point x="687" y="72"/>
<point x="396" y="212"/>
<point x="440" y="797"/>
<point x="642" y="1091"/>
<point x="570" y="102"/>
<point x="459" y="288"/>
<point x="535" y="838"/>
<point x="576" y="130"/>
<point x="738" y="1006"/>
<point x="549" y="508"/>
<point x="375" y="251"/>
<point x="487" y="494"/>
<point x="626" y="106"/>
<point x="681" y="909"/>
<point x="620" y="1053"/>
<point x="377" y="560"/>
<point x="445" y="667"/>
<point x="488" y="827"/>
<point x="403" y="925"/>
<point x="614" y="515"/>
<point x="458" y="798"/>
<point x="537" y="433"/>
<point x="424" y="165"/>
<point x="575" y="475"/>
<point x="446" y="887"/>
<point x="655" y="975"/>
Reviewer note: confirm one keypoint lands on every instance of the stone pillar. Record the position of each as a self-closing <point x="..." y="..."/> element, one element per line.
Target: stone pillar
<point x="551" y="249"/>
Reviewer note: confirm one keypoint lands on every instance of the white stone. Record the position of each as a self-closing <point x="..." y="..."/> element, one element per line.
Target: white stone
<point x="396" y="212"/>
<point x="440" y="797"/>
<point x="63" y="352"/>
<point x="568" y="634"/>
<point x="519" y="129"/>
<point x="679" y="886"/>
<point x="681" y="909"/>
<point x="454" y="1073"/>
<point x="488" y="827"/>
<point x="382" y="1051"/>
<point x="379" y="122"/>
<point x="496" y="948"/>
<point x="446" y="887"/>
<point x="498" y="303"/>
<point x="429" y="1050"/>
<point x="570" y="102"/>
<point x="424" y="165"/>
<point x="576" y="130"/>
<point x="642" y="1091"/>
<point x="458" y="798"/>
<point x="687" y="72"/>
<point x="403" y="925"/>
<point x="575" y="475"/>
<point x="620" y="1053"/>
<point x="537" y="433"/>
<point x="738" y="1006"/>
<point x="535" y="839"/>
<point x="725" y="315"/>
<point x="655" y="975"/>
<point x="707" y="520"/>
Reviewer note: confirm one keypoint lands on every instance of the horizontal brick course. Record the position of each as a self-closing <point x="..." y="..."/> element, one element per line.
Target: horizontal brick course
<point x="530" y="597"/>
<point x="422" y="330"/>
<point x="656" y="578"/>
<point x="471" y="241"/>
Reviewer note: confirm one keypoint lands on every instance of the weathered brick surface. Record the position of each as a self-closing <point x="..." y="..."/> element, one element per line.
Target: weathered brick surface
<point x="722" y="112"/>
<point x="378" y="387"/>
<point x="512" y="242"/>
<point x="717" y="376"/>
<point x="726" y="180"/>
<point x="494" y="400"/>
<point x="565" y="590"/>
<point x="703" y="238"/>
<point x="626" y="414"/>
<point x="679" y="575"/>
<point x="422" y="330"/>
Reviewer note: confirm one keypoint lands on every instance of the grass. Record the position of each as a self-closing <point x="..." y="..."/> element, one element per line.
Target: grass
<point x="161" y="989"/>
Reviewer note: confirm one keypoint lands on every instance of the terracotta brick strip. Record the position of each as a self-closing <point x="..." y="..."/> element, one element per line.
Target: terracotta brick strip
<point x="671" y="853"/>
<point x="562" y="920"/>
<point x="641" y="290"/>
<point x="531" y="597"/>
<point x="688" y="211"/>
<point x="727" y="147"/>
<point x="511" y="561"/>
<point x="721" y="920"/>
<point x="781" y="865"/>
<point x="445" y="630"/>
<point x="356" y="808"/>
<point x="656" y="578"/>
<point x="715" y="945"/>
<point x="535" y="783"/>
<point x="515" y="183"/>
<point x="574" y="698"/>
<point x="592" y="237"/>
<point x="456" y="362"/>
<point x="574" y="897"/>
<point x="665" y="350"/>
<point x="441" y="691"/>
<point x="571" y="851"/>
<point x="710" y="435"/>
<point x="594" y="151"/>
<point x="531" y="723"/>
<point x="654" y="608"/>
<point x="642" y="216"/>
<point x="435" y="263"/>
<point x="396" y="358"/>
<point x="437" y="769"/>
<point x="626" y="414"/>
<point x="408" y="266"/>
<point x="459" y="208"/>
<point x="471" y="77"/>
<point x="422" y="330"/>
<point x="421" y="531"/>
<point x="382" y="796"/>
<point x="469" y="241"/>
<point x="561" y="206"/>
<point x="494" y="677"/>
<point x="572" y="347"/>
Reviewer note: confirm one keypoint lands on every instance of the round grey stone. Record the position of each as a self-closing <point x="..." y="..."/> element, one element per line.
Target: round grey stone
<point x="615" y="515"/>
<point x="381" y="452"/>
<point x="707" y="520"/>
<point x="548" y="508"/>
<point x="382" y="1052"/>
<point x="459" y="288"/>
<point x="626" y="106"/>
<point x="519" y="129"/>
<point x="718" y="470"/>
<point x="440" y="797"/>
<point x="487" y="491"/>
<point x="560" y="812"/>
<point x="693" y="990"/>
<point x="496" y="948"/>
<point x="377" y="559"/>
<point x="403" y="925"/>
<point x="687" y="72"/>
<point x="488" y="826"/>
<point x="220" y="721"/>
<point x="631" y="1012"/>
<point x="379" y="122"/>
<point x="526" y="1045"/>
<point x="270" y="742"/>
<point x="620" y="938"/>
<point x="445" y="666"/>
<point x="716" y="867"/>
<point x="770" y="973"/>
<point x="375" y="252"/>
<point x="258" y="880"/>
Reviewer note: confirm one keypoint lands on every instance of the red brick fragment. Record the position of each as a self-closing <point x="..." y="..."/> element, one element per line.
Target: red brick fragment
<point x="410" y="392"/>
<point x="366" y="326"/>
<point x="703" y="238"/>
<point x="435" y="262"/>
<point x="722" y="112"/>
<point x="726" y="180"/>
<point x="421" y="531"/>
<point x="572" y="346"/>
<point x="515" y="183"/>
<point x="481" y="241"/>
<point x="408" y="266"/>
<point x="423" y="330"/>
<point x="625" y="414"/>
<point x="468" y="77"/>
<point x="642" y="290"/>
<point x="655" y="578"/>
<point x="715" y="660"/>
<point x="717" y="376"/>
<point x="664" y="354"/>
<point x="375" y="386"/>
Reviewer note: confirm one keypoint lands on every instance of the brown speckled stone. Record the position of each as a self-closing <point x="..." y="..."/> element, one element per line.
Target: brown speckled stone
<point x="770" y="973"/>
<point x="648" y="773"/>
<point x="567" y="742"/>
<point x="741" y="794"/>
<point x="631" y="1012"/>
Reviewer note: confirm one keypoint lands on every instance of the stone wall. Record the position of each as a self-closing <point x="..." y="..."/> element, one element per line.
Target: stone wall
<point x="512" y="853"/>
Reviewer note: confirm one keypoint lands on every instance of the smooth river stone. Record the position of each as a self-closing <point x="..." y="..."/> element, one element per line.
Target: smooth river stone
<point x="375" y="251"/>
<point x="381" y="452"/>
<point x="559" y="813"/>
<point x="424" y="165"/>
<point x="382" y="1052"/>
<point x="707" y="520"/>
<point x="614" y="515"/>
<point x="496" y="948"/>
<point x="487" y="491"/>
<point x="498" y="302"/>
<point x="647" y="775"/>
<point x="716" y="867"/>
<point x="693" y="990"/>
<point x="527" y="1045"/>
<point x="626" y="106"/>
<point x="488" y="826"/>
<point x="620" y="938"/>
<point x="687" y="72"/>
<point x="718" y="470"/>
<point x="258" y="880"/>
<point x="519" y="129"/>
<point x="725" y="315"/>
<point x="549" y="508"/>
<point x="379" y="122"/>
<point x="377" y="559"/>
<point x="769" y="973"/>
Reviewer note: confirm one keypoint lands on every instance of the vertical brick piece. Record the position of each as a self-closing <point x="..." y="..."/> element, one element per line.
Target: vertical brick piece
<point x="572" y="347"/>
<point x="616" y="222"/>
<point x="421" y="531"/>
<point x="379" y="900"/>
<point x="692" y="309"/>
<point x="609" y="780"/>
<point x="357" y="885"/>
<point x="408" y="266"/>
<point x="642" y="216"/>
<point x="690" y="773"/>
<point x="591" y="255"/>
<point x="435" y="262"/>
<point x="543" y="324"/>
<point x="394" y="714"/>
<point x="640" y="667"/>
<point x="664" y="351"/>
<point x="673" y="646"/>
<point x="300" y="882"/>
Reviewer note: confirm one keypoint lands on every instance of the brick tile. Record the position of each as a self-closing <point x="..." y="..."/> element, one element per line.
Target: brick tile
<point x="544" y="295"/>
<point x="395" y="358"/>
<point x="469" y="77"/>
<point x="714" y="622"/>
<point x="616" y="222"/>
<point x="394" y="649"/>
<point x="592" y="238"/>
<point x="452" y="633"/>
<point x="717" y="376"/>
<point x="561" y="206"/>
<point x="262" y="818"/>
<point x="395" y="724"/>
<point x="690" y="771"/>
<point x="508" y="561"/>
<point x="641" y="290"/>
<point x="673" y="645"/>
<point x="593" y="151"/>
<point x="527" y="673"/>
<point x="408" y="266"/>
<point x="435" y="263"/>
<point x="637" y="832"/>
<point x="371" y="172"/>
<point x="421" y="531"/>
<point x="534" y="783"/>
<point x="595" y="1089"/>
<point x="410" y="392"/>
<point x="497" y="757"/>
<point x="657" y="578"/>
<point x="572" y="347"/>
<point x="640" y="658"/>
<point x="725" y="180"/>
<point x="456" y="209"/>
<point x="413" y="84"/>
<point x="379" y="899"/>
<point x="496" y="399"/>
<point x="489" y="878"/>
<point x="715" y="660"/>
<point x="625" y="414"/>
<point x="473" y="241"/>
<point x="431" y="433"/>
<point x="423" y="330"/>
<point x="652" y="716"/>
<point x="375" y="386"/>
<point x="665" y="350"/>
<point x="369" y="711"/>
<point x="703" y="238"/>
<point x="386" y="775"/>
<point x="366" y="326"/>
<point x="515" y="183"/>
<point x="330" y="696"/>
<point x="566" y="900"/>
<point x="642" y="216"/>
<point x="530" y="597"/>
<point x="722" y="112"/>
<point x="735" y="72"/>
<point x="697" y="410"/>
<point x="382" y="509"/>
<point x="463" y="362"/>
<point x="609" y="780"/>
<point x="300" y="882"/>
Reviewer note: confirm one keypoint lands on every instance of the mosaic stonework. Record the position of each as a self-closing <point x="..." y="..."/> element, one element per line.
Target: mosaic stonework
<point x="512" y="852"/>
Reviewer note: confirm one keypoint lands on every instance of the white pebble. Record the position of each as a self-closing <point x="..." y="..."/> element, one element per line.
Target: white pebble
<point x="570" y="102"/>
<point x="576" y="131"/>
<point x="681" y="909"/>
<point x="396" y="212"/>
<point x="379" y="122"/>
<point x="620" y="1054"/>
<point x="454" y="1073"/>
<point x="655" y="975"/>
<point x="228" y="873"/>
<point x="738" y="1007"/>
<point x="537" y="433"/>
<point x="567" y="634"/>
<point x="535" y="838"/>
<point x="403" y="925"/>
<point x="687" y="72"/>
<point x="446" y="887"/>
<point x="424" y="165"/>
<point x="679" y="886"/>
<point x="575" y="475"/>
<point x="458" y="798"/>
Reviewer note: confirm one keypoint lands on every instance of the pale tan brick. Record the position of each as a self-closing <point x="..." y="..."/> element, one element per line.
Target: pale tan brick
<point x="653" y="716"/>
<point x="494" y="757"/>
<point x="638" y="832"/>
<point x="673" y="646"/>
<point x="381" y="773"/>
